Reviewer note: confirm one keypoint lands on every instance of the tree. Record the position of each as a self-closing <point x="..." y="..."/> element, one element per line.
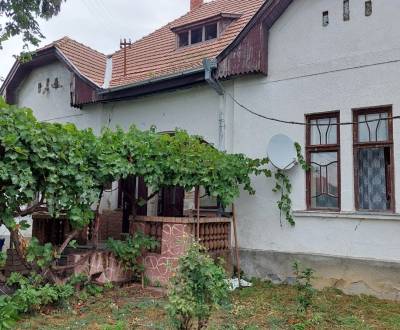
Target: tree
<point x="45" y="165"/>
<point x="21" y="18"/>
<point x="179" y="159"/>
<point x="65" y="170"/>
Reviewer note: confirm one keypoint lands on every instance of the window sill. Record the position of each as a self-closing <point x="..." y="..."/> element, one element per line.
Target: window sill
<point x="348" y="215"/>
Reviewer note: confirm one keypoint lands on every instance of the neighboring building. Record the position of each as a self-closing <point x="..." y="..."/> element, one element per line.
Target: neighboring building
<point x="320" y="61"/>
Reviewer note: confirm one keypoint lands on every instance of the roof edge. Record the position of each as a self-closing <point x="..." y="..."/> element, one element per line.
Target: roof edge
<point x="154" y="80"/>
<point x="220" y="15"/>
<point x="282" y="4"/>
<point x="48" y="51"/>
<point x="60" y="55"/>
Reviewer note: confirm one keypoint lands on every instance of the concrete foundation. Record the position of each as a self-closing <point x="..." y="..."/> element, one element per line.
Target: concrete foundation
<point x="353" y="276"/>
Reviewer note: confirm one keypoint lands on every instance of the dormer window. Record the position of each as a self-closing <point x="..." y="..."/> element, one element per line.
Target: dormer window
<point x="205" y="30"/>
<point x="211" y="31"/>
<point x="183" y="39"/>
<point x="198" y="34"/>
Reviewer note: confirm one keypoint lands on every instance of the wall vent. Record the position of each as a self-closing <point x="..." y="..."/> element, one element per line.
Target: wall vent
<point x="346" y="10"/>
<point x="325" y="18"/>
<point x="368" y="8"/>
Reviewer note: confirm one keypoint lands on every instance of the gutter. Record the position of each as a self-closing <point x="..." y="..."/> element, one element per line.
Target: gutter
<point x="209" y="66"/>
<point x="152" y="80"/>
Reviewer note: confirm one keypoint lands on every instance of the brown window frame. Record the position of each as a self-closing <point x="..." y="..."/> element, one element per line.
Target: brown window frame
<point x="310" y="149"/>
<point x="390" y="186"/>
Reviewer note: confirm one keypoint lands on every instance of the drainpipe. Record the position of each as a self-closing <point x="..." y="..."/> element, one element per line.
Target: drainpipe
<point x="209" y="66"/>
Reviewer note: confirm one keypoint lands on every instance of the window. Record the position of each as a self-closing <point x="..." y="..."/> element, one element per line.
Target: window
<point x="211" y="31"/>
<point x="183" y="39"/>
<point x="198" y="34"/>
<point x="325" y="18"/>
<point x="323" y="156"/>
<point x="368" y="8"/>
<point x="346" y="10"/>
<point x="373" y="159"/>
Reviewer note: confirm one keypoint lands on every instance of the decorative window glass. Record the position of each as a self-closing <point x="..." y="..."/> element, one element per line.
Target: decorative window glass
<point x="324" y="180"/>
<point x="373" y="159"/>
<point x="323" y="131"/>
<point x="373" y="127"/>
<point x="323" y="156"/>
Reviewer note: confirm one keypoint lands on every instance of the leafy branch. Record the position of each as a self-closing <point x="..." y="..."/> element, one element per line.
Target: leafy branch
<point x="284" y="187"/>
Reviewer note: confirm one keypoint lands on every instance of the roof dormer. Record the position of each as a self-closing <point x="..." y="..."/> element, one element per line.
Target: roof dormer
<point x="202" y="31"/>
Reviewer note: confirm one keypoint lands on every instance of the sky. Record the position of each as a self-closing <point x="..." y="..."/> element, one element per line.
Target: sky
<point x="101" y="24"/>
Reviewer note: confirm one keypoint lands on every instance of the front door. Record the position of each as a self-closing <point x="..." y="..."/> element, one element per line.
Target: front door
<point x="171" y="202"/>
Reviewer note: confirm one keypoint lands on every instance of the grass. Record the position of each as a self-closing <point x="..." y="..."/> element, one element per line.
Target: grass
<point x="263" y="306"/>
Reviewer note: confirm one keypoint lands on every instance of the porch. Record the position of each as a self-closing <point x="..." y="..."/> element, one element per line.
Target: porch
<point x="172" y="217"/>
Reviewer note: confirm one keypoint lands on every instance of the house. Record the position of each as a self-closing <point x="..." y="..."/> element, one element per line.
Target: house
<point x="321" y="62"/>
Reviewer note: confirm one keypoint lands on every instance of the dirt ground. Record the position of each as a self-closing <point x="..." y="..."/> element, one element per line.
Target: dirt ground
<point x="263" y="306"/>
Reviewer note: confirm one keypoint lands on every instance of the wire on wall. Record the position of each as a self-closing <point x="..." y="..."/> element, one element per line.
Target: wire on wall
<point x="287" y="122"/>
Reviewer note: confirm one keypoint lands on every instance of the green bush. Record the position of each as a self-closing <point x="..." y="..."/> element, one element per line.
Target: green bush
<point x="9" y="313"/>
<point x="198" y="288"/>
<point x="42" y="255"/>
<point x="31" y="294"/>
<point x="130" y="250"/>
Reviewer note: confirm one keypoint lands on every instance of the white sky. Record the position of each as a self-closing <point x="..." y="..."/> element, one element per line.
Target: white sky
<point x="101" y="24"/>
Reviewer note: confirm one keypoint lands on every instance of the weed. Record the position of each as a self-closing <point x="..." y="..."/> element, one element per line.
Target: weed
<point x="119" y="326"/>
<point x="305" y="290"/>
<point x="276" y="322"/>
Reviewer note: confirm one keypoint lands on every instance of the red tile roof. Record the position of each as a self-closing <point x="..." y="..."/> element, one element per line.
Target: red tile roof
<point x="156" y="55"/>
<point x="89" y="62"/>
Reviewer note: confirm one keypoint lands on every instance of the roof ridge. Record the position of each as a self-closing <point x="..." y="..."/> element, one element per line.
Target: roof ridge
<point x="66" y="39"/>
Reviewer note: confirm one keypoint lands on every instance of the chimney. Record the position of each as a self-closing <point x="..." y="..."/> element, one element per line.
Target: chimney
<point x="195" y="4"/>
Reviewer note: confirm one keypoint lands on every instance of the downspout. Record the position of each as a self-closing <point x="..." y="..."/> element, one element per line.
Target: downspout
<point x="210" y="65"/>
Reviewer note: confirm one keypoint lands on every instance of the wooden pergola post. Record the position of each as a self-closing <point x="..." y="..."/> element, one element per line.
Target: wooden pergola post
<point x="236" y="242"/>
<point x="198" y="214"/>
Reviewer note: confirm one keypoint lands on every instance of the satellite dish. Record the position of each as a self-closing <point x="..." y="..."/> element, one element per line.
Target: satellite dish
<point x="282" y="152"/>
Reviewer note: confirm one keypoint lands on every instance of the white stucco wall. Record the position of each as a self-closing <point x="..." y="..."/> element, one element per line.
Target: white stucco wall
<point x="316" y="69"/>
<point x="54" y="105"/>
<point x="311" y="69"/>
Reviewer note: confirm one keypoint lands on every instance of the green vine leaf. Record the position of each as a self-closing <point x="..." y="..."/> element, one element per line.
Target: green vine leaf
<point x="284" y="187"/>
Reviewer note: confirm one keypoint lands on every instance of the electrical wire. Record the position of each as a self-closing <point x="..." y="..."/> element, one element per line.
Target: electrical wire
<point x="288" y="122"/>
<point x="64" y="117"/>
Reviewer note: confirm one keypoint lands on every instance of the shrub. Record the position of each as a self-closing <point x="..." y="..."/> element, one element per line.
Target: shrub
<point x="9" y="313"/>
<point x="198" y="288"/>
<point x="130" y="250"/>
<point x="305" y="290"/>
<point x="42" y="255"/>
<point x="31" y="294"/>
